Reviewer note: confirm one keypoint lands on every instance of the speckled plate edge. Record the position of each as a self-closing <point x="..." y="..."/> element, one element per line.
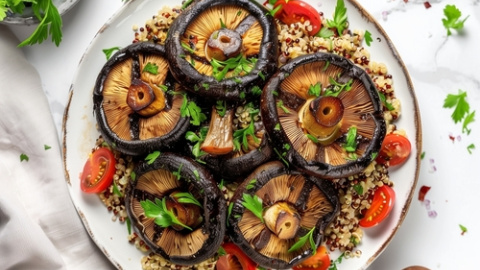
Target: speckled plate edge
<point x="79" y="125"/>
<point x="27" y="18"/>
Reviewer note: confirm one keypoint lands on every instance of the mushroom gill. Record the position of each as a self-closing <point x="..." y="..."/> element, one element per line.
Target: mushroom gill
<point x="292" y="205"/>
<point x="134" y="109"/>
<point x="177" y="209"/>
<point x="328" y="110"/>
<point x="223" y="49"/>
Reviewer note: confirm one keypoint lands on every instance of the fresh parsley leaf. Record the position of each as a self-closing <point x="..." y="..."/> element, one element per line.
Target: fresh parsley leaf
<point x="358" y="189"/>
<point x="470" y="148"/>
<point x="239" y="65"/>
<point x="325" y="33"/>
<point x="152" y="157"/>
<point x="187" y="48"/>
<point x="452" y="19"/>
<point x="24" y="157"/>
<point x="116" y="190"/>
<point x="254" y="204"/>
<point x="461" y="110"/>
<point x="315" y="90"/>
<point x="47" y="147"/>
<point x="151" y="68"/>
<point x="308" y="237"/>
<point x="368" y="38"/>
<point x="335" y="88"/>
<point x="281" y="106"/>
<point x="422" y="155"/>
<point x="339" y="18"/>
<point x="240" y="136"/>
<point x="109" y="51"/>
<point x="251" y="184"/>
<point x="468" y="120"/>
<point x="192" y="110"/>
<point x="187" y="197"/>
<point x="351" y="140"/>
<point x="221" y="107"/>
<point x="463" y="228"/>
<point x="129" y="225"/>
<point x="333" y="263"/>
<point x="178" y="172"/>
<point x="198" y="139"/>
<point x="385" y="103"/>
<point x="312" y="138"/>
<point x="50" y="23"/>
<point x="159" y="211"/>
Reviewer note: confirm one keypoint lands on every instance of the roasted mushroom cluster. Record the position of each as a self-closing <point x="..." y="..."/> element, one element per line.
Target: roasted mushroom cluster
<point x="213" y="106"/>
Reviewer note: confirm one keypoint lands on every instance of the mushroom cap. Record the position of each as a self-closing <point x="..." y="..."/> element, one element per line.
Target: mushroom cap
<point x="199" y="76"/>
<point x="157" y="180"/>
<point x="314" y="199"/>
<point x="123" y="127"/>
<point x="361" y="105"/>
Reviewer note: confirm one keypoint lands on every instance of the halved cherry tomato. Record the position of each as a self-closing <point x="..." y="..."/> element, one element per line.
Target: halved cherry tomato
<point x="382" y="205"/>
<point x="319" y="261"/>
<point x="234" y="259"/>
<point x="294" y="11"/>
<point x="98" y="171"/>
<point x="395" y="149"/>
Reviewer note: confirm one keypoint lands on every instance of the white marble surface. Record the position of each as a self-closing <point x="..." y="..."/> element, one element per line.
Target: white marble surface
<point x="438" y="65"/>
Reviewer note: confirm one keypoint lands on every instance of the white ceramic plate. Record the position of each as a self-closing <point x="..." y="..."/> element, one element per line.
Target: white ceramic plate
<point x="29" y="18"/>
<point x="79" y="132"/>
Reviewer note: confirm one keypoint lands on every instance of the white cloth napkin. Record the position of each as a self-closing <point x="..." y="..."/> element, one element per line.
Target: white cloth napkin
<point x="39" y="227"/>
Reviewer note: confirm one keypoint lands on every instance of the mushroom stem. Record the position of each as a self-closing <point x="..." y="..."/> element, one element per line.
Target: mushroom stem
<point x="283" y="220"/>
<point x="223" y="44"/>
<point x="219" y="139"/>
<point x="188" y="214"/>
<point x="145" y="99"/>
<point x="322" y="118"/>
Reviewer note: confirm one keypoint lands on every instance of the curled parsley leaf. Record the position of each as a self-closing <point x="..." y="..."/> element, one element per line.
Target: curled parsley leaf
<point x="158" y="210"/>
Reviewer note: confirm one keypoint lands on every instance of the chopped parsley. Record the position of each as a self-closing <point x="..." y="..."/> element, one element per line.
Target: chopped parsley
<point x="109" y="51"/>
<point x="339" y="18"/>
<point x="452" y="19"/>
<point x="159" y="211"/>
<point x="470" y="148"/>
<point x="239" y="65"/>
<point x="463" y="229"/>
<point x="151" y="68"/>
<point x="24" y="157"/>
<point x="152" y="157"/>
<point x="368" y="38"/>
<point x="192" y="110"/>
<point x="308" y="237"/>
<point x="461" y="112"/>
<point x="187" y="197"/>
<point x="315" y="90"/>
<point x="254" y="204"/>
<point x="197" y="139"/>
<point x="47" y="147"/>
<point x="351" y="140"/>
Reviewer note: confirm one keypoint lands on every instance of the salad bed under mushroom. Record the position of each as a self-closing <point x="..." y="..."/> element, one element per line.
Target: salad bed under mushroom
<point x="237" y="117"/>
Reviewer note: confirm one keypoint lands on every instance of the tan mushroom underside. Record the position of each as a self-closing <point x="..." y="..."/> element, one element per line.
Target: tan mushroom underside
<point x="209" y="21"/>
<point x="356" y="104"/>
<point x="160" y="183"/>
<point x="115" y="105"/>
<point x="285" y="188"/>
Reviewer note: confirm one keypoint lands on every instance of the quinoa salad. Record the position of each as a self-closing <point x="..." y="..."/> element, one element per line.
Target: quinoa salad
<point x="355" y="192"/>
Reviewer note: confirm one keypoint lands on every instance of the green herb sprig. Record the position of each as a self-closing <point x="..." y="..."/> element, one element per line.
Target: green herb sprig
<point x="163" y="217"/>
<point x="339" y="21"/>
<point x="238" y="65"/>
<point x="452" y="19"/>
<point x="461" y="112"/>
<point x="308" y="237"/>
<point x="50" y="21"/>
<point x="254" y="204"/>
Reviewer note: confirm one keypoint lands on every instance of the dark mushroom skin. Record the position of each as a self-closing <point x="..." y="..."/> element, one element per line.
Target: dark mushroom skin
<point x="283" y="145"/>
<point x="199" y="180"/>
<point x="135" y="146"/>
<point x="230" y="89"/>
<point x="231" y="168"/>
<point x="262" y="176"/>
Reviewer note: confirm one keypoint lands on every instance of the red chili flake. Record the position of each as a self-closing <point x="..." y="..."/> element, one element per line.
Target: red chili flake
<point x="451" y="137"/>
<point x="423" y="191"/>
<point x="406" y="1"/>
<point x="427" y="4"/>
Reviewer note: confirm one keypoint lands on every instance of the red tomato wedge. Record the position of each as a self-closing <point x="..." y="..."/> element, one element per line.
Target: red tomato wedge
<point x="294" y="11"/>
<point x="382" y="205"/>
<point x="98" y="171"/>
<point x="319" y="261"/>
<point x="234" y="259"/>
<point x="395" y="149"/>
